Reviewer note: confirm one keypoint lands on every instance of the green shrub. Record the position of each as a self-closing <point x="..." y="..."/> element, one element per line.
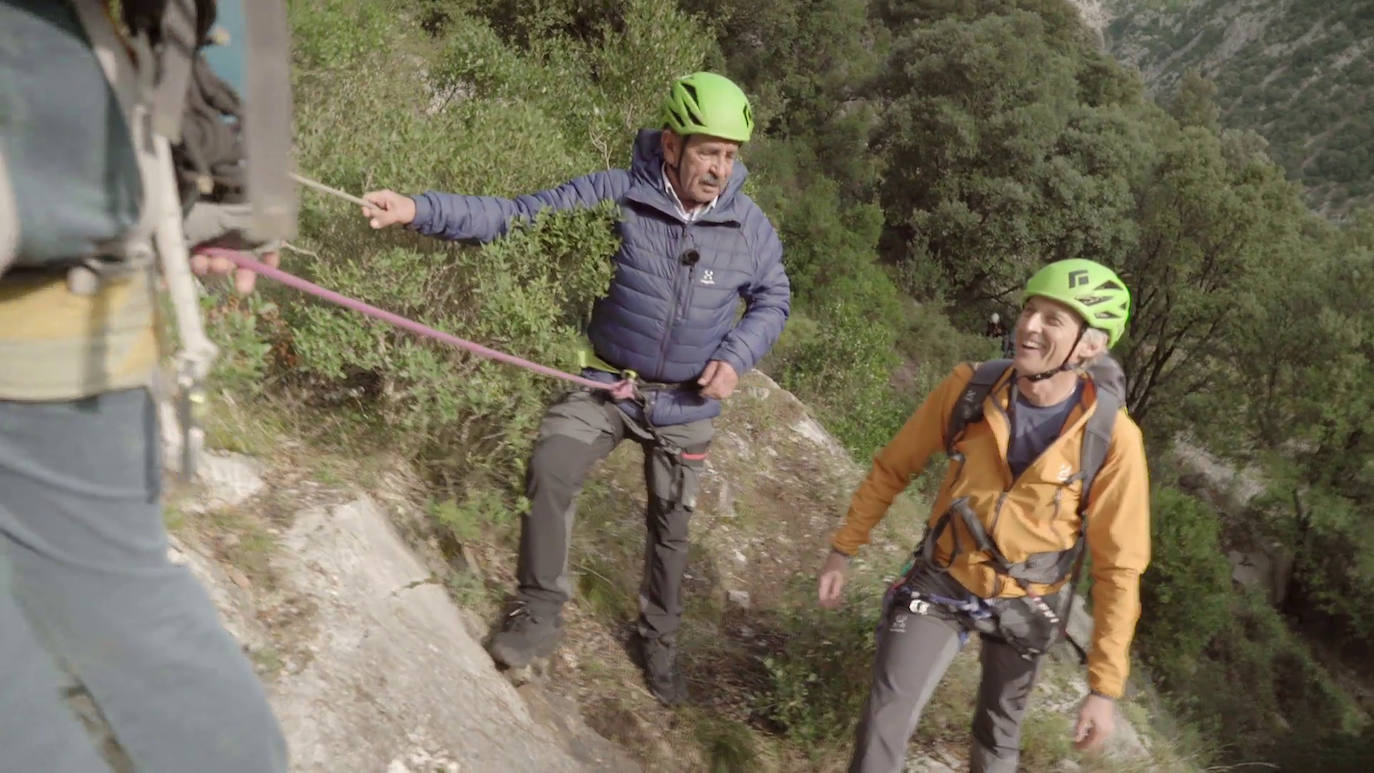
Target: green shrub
<point x="243" y="330"/>
<point x="841" y="361"/>
<point x="475" y="516"/>
<point x="1186" y="591"/>
<point x="820" y="679"/>
<point x="525" y="295"/>
<point x="461" y="109"/>
<point x="727" y="746"/>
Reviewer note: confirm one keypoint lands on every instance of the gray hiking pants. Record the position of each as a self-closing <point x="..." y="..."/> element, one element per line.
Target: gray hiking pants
<point x="913" y="653"/>
<point x="577" y="431"/>
<point x="85" y="583"/>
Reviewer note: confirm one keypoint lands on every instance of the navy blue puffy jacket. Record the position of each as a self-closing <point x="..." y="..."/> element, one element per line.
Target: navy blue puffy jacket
<point x="665" y="315"/>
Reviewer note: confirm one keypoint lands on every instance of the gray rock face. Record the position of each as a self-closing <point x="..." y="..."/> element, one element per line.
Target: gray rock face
<point x="1266" y="571"/>
<point x="227" y="479"/>
<point x="392" y="681"/>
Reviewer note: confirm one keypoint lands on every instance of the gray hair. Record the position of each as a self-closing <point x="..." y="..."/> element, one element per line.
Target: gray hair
<point x="1094" y="336"/>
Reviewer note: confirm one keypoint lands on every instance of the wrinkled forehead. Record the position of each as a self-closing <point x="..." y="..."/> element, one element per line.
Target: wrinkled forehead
<point x="1049" y="307"/>
<point x="706" y="143"/>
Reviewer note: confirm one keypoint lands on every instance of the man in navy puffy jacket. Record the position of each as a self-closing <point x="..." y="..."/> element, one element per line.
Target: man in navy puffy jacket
<point x="692" y="246"/>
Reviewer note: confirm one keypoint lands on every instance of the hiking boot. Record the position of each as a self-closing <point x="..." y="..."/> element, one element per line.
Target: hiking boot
<point x="661" y="673"/>
<point x="523" y="637"/>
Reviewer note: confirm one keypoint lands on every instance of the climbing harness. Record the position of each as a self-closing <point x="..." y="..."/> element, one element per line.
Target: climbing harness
<point x="1028" y="623"/>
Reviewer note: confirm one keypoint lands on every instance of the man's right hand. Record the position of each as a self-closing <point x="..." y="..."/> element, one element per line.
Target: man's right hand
<point x="830" y="589"/>
<point x="388" y="208"/>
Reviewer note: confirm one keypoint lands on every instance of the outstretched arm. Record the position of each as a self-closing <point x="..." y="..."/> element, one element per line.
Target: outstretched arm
<point x="893" y="467"/>
<point x="458" y="217"/>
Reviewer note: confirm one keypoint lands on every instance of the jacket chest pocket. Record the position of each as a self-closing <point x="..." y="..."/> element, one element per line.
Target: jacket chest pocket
<point x="722" y="256"/>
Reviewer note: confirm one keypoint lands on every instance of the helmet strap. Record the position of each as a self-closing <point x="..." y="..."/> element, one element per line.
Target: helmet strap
<point x="1064" y="365"/>
<point x="676" y="167"/>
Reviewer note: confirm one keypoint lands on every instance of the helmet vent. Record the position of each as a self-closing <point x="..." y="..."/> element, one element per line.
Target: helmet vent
<point x="693" y="104"/>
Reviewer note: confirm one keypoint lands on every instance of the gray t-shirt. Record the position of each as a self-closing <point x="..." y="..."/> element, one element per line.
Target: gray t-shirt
<point x="1034" y="427"/>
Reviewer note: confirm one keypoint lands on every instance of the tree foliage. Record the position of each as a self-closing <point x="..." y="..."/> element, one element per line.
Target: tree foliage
<point x="993" y="164"/>
<point x="919" y="160"/>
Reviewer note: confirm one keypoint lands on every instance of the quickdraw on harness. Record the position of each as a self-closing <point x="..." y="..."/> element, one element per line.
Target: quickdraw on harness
<point x="1045" y="568"/>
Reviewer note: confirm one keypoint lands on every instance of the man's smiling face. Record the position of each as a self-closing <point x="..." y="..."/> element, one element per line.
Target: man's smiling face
<point x="1045" y="335"/>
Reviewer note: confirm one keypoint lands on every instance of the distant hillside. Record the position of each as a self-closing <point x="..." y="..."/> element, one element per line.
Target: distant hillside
<point x="1296" y="71"/>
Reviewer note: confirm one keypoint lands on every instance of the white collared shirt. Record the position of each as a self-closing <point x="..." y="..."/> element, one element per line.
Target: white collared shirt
<point x="681" y="210"/>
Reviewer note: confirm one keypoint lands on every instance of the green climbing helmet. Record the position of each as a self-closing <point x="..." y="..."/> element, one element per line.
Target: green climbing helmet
<point x="1089" y="288"/>
<point x="706" y="103"/>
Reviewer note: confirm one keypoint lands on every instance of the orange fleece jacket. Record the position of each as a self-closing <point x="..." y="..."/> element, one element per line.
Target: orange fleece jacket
<point x="1036" y="512"/>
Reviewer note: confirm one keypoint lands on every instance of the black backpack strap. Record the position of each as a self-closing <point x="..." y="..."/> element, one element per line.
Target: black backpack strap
<point x="1097" y="437"/>
<point x="969" y="409"/>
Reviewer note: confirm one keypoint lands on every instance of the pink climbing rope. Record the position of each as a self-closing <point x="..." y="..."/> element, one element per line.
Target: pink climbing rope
<point x="620" y="390"/>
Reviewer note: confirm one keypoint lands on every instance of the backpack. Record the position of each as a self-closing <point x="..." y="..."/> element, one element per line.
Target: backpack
<point x="1043" y="568"/>
<point x="1108" y="378"/>
<point x="102" y="197"/>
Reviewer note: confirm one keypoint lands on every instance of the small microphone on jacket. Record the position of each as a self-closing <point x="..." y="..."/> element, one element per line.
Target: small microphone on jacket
<point x="690" y="257"/>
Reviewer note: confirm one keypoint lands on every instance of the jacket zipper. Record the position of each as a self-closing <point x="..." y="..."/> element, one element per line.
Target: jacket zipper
<point x="671" y="321"/>
<point x="686" y="305"/>
<point x="958" y="470"/>
<point x="998" y="582"/>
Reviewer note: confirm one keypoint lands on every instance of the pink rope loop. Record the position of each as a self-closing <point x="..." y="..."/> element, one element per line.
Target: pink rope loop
<point x="620" y="390"/>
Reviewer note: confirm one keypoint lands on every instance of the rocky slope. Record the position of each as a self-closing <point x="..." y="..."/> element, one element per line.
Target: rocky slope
<point x="342" y="600"/>
<point x="370" y="665"/>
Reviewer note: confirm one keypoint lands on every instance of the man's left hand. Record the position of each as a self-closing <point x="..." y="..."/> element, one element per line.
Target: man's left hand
<point x="718" y="380"/>
<point x="1096" y="721"/>
<point x="243" y="278"/>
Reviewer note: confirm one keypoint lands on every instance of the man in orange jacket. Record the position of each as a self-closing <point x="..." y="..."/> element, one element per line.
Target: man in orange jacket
<point x="1008" y="525"/>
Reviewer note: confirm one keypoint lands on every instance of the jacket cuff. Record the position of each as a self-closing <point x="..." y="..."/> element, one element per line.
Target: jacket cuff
<point x="730" y="359"/>
<point x="835" y="546"/>
<point x="1100" y="689"/>
<point x="424" y="213"/>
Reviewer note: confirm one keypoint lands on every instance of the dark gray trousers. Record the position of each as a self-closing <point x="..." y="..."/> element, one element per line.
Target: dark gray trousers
<point x="577" y="431"/>
<point x="85" y="583"/>
<point x="914" y="651"/>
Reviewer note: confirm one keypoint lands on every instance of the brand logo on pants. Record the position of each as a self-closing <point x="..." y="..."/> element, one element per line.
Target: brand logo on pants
<point x="898" y="623"/>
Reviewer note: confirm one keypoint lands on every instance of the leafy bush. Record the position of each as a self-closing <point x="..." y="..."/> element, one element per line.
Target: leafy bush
<point x="821" y="678"/>
<point x="1186" y="591"/>
<point x="460" y="109"/>
<point x="842" y="358"/>
<point x="1202" y="640"/>
<point x="240" y="327"/>
<point x="525" y="294"/>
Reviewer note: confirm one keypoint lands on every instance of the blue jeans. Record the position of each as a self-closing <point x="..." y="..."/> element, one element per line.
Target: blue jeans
<point x="85" y="583"/>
